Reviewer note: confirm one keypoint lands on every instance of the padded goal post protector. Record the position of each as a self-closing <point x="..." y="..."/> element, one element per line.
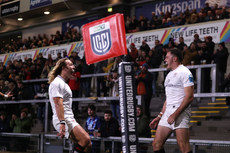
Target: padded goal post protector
<point x="104" y="38"/>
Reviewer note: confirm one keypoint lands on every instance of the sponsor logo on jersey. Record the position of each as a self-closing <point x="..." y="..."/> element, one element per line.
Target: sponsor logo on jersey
<point x="190" y="78"/>
<point x="100" y="38"/>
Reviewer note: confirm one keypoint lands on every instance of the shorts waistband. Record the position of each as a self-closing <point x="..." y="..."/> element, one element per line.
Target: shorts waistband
<point x="172" y="106"/>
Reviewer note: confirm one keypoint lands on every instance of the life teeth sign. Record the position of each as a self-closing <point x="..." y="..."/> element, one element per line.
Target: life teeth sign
<point x="104" y="38"/>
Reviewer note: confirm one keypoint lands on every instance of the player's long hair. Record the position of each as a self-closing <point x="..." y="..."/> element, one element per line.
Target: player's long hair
<point x="57" y="69"/>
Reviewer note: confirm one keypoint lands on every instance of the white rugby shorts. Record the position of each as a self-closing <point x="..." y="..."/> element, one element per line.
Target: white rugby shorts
<point x="70" y="124"/>
<point x="182" y="121"/>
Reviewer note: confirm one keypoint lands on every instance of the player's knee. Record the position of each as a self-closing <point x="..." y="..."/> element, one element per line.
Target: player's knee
<point x="184" y="147"/>
<point x="85" y="143"/>
<point x="89" y="144"/>
<point x="157" y="145"/>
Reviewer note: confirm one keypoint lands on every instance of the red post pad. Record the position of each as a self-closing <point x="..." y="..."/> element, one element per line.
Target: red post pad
<point x="104" y="38"/>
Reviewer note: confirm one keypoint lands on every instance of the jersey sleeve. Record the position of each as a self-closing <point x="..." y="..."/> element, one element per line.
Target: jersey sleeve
<point x="55" y="91"/>
<point x="188" y="79"/>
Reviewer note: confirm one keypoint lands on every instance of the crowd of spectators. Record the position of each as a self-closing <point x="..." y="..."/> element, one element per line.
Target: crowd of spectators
<point x="131" y="24"/>
<point x="168" y="20"/>
<point x="12" y="75"/>
<point x="72" y="35"/>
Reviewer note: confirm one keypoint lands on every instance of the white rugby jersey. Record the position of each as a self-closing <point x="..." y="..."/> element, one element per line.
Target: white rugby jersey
<point x="175" y="82"/>
<point x="59" y="88"/>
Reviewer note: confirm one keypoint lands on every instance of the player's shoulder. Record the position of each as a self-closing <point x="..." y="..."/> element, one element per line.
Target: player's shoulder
<point x="183" y="69"/>
<point x="57" y="81"/>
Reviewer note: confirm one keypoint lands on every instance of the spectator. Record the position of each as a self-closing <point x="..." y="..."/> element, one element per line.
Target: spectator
<point x="133" y="26"/>
<point x="86" y="82"/>
<point x="207" y="7"/>
<point x="226" y="84"/>
<point x="218" y="14"/>
<point x="181" y="44"/>
<point x="101" y="86"/>
<point x="92" y="126"/>
<point x="221" y="58"/>
<point x="142" y="23"/>
<point x="161" y="17"/>
<point x="74" y="84"/>
<point x="155" y="56"/>
<point x="169" y="14"/>
<point x="181" y="19"/>
<point x="196" y="40"/>
<point x="116" y="63"/>
<point x="50" y="60"/>
<point x="110" y="127"/>
<point x="75" y="56"/>
<point x="34" y="72"/>
<point x="127" y="23"/>
<point x="201" y="17"/>
<point x="41" y="59"/>
<point x="141" y="59"/>
<point x="216" y="7"/>
<point x="74" y="81"/>
<point x="64" y="55"/>
<point x="142" y="123"/>
<point x="46" y="69"/>
<point x="22" y="94"/>
<point x="145" y="47"/>
<point x="4" y="127"/>
<point x="133" y="53"/>
<point x="144" y="87"/>
<point x="209" y="16"/>
<point x="114" y="92"/>
<point x="224" y="13"/>
<point x="4" y="122"/>
<point x="143" y="129"/>
<point x="58" y="56"/>
<point x="159" y="51"/>
<point x="12" y="89"/>
<point x="23" y="91"/>
<point x="193" y="18"/>
<point x="189" y="54"/>
<point x="154" y="22"/>
<point x="42" y="93"/>
<point x="201" y="58"/>
<point x="170" y="23"/>
<point x="2" y="86"/>
<point x="21" y="125"/>
<point x="163" y="23"/>
<point x="136" y="69"/>
<point x="210" y="46"/>
<point x="171" y="44"/>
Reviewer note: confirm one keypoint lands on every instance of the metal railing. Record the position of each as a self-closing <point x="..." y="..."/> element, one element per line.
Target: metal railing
<point x="46" y="101"/>
<point x="42" y="139"/>
<point x="198" y="76"/>
<point x="197" y="95"/>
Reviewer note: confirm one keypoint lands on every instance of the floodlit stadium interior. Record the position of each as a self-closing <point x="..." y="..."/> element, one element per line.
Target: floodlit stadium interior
<point x="35" y="34"/>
